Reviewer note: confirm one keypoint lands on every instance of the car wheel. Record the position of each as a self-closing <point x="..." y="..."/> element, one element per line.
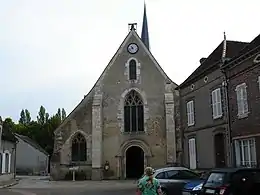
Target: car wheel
<point x="164" y="192"/>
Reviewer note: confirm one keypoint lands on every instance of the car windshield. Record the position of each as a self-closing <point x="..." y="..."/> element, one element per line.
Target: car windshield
<point x="215" y="179"/>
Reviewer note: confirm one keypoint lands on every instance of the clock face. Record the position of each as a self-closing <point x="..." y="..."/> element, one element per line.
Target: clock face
<point x="132" y="48"/>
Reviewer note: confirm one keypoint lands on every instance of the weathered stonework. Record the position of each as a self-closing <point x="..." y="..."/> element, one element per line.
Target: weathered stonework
<point x="138" y="71"/>
<point x="100" y="118"/>
<point x="120" y="115"/>
<point x="170" y="124"/>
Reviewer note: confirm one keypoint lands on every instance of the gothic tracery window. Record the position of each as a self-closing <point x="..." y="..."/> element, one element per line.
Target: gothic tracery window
<point x="133" y="112"/>
<point x="132" y="70"/>
<point x="79" y="148"/>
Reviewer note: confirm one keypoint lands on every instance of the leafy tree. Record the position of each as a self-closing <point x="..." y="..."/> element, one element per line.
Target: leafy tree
<point x="42" y="116"/>
<point x="63" y="114"/>
<point x="27" y="116"/>
<point x="8" y="124"/>
<point x="22" y="119"/>
<point x="41" y="130"/>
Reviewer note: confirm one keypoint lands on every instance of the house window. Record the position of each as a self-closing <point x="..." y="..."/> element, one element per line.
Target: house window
<point x="79" y="148"/>
<point x="190" y="113"/>
<point x="245" y="153"/>
<point x="132" y="70"/>
<point x="242" y="105"/>
<point x="257" y="59"/>
<point x="192" y="153"/>
<point x="7" y="163"/>
<point x="133" y="112"/>
<point x="216" y="103"/>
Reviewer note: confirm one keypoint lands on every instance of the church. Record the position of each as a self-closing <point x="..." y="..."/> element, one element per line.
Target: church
<point x="128" y="120"/>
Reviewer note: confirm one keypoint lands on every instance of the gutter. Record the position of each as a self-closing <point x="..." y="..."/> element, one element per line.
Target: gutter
<point x="232" y="150"/>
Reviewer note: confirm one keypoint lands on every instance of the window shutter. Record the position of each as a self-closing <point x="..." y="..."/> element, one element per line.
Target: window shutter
<point x="239" y="97"/>
<point x="188" y="113"/>
<point x="192" y="154"/>
<point x="219" y="102"/>
<point x="238" y="153"/>
<point x="244" y="95"/>
<point x="192" y="112"/>
<point x="213" y="96"/>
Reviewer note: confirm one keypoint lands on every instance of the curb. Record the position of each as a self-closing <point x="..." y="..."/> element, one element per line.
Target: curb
<point x="9" y="185"/>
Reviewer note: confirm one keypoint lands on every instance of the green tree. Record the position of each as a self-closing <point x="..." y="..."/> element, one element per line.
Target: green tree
<point x="63" y="114"/>
<point x="42" y="116"/>
<point x="28" y="117"/>
<point x="9" y="125"/>
<point x="22" y="119"/>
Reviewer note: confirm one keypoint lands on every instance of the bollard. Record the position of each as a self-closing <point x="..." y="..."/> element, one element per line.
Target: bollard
<point x="73" y="175"/>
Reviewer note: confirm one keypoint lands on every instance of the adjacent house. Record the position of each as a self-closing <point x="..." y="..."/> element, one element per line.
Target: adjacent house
<point x="203" y="111"/>
<point x="243" y="76"/>
<point x="31" y="158"/>
<point x="7" y="153"/>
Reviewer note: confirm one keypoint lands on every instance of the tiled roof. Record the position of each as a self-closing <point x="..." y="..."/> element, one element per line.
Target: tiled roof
<point x="31" y="142"/>
<point x="233" y="48"/>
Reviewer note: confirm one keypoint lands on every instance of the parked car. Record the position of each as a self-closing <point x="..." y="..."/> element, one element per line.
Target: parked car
<point x="173" y="179"/>
<point x="194" y="187"/>
<point x="232" y="181"/>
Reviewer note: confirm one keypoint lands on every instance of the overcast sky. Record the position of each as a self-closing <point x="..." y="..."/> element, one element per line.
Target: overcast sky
<point x="53" y="51"/>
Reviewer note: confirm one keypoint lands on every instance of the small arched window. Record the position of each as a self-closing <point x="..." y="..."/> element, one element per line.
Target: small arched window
<point x="133" y="112"/>
<point x="132" y="70"/>
<point x="79" y="148"/>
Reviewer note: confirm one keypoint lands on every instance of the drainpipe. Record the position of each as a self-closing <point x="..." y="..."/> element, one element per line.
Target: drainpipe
<point x="232" y="150"/>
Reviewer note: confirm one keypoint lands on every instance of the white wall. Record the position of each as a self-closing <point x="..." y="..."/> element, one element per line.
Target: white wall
<point x="29" y="158"/>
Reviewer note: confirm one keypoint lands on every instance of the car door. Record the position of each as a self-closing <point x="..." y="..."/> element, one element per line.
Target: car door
<point x="178" y="178"/>
<point x="173" y="183"/>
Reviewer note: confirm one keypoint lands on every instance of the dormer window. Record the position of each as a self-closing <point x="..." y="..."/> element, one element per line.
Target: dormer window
<point x="132" y="70"/>
<point x="257" y="59"/>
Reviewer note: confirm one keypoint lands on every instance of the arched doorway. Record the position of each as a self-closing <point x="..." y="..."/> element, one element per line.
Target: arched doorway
<point x="134" y="162"/>
<point x="219" y="140"/>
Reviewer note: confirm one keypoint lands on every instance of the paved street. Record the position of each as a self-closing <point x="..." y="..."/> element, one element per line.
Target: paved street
<point x="38" y="186"/>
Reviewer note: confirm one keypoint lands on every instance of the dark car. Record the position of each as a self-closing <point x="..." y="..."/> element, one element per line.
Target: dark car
<point x="173" y="179"/>
<point x="232" y="181"/>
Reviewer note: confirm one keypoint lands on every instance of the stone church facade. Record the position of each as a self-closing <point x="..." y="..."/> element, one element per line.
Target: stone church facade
<point x="127" y="121"/>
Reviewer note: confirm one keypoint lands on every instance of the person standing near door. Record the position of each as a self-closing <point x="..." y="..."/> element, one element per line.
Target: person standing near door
<point x="148" y="185"/>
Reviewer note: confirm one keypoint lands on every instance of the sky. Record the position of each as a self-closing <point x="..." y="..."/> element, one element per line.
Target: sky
<point x="53" y="51"/>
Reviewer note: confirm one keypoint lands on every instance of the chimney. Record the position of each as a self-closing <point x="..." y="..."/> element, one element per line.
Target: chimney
<point x="202" y="60"/>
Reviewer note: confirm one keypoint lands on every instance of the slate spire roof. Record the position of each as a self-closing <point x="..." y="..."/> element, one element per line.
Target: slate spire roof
<point x="145" y="33"/>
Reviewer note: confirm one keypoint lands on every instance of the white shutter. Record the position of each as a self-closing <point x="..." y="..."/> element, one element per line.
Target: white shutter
<point x="214" y="105"/>
<point x="244" y="95"/>
<point x="190" y="113"/>
<point x="219" y="102"/>
<point x="237" y="153"/>
<point x="239" y="102"/>
<point x="192" y="154"/>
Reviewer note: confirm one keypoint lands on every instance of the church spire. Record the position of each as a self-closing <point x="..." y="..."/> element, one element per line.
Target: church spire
<point x="145" y="33"/>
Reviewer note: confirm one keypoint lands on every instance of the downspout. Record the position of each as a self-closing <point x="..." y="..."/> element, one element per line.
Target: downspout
<point x="232" y="150"/>
<point x="226" y="86"/>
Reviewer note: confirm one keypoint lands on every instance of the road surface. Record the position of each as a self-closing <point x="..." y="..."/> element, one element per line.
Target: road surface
<point x="39" y="186"/>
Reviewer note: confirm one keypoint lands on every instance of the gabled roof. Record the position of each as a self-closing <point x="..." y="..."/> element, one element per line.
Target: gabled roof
<point x="233" y="47"/>
<point x="31" y="143"/>
<point x="100" y="79"/>
<point x="252" y="45"/>
<point x="244" y="51"/>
